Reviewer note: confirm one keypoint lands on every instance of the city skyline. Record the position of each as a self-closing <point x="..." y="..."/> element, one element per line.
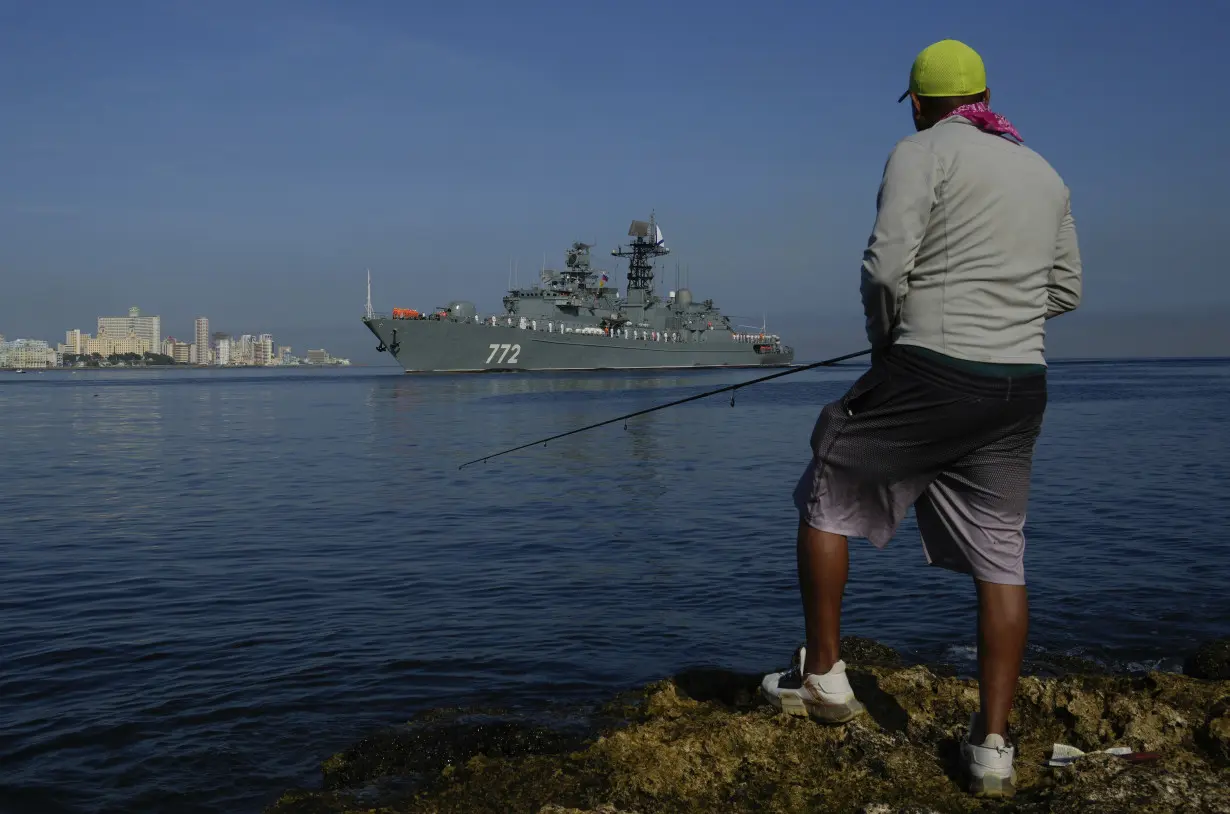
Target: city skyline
<point x="137" y="336"/>
<point x="145" y="325"/>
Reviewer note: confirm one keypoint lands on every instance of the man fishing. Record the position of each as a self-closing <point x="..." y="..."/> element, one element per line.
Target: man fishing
<point x="973" y="248"/>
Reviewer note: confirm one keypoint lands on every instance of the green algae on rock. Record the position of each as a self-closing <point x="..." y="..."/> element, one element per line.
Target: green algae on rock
<point x="704" y="742"/>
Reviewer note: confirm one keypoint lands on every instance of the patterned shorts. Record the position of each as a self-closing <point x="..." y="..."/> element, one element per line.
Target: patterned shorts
<point x="955" y="445"/>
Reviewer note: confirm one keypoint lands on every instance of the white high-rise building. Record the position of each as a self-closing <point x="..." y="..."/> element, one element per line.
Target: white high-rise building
<point x="223" y="353"/>
<point x="241" y="351"/>
<point x="202" y="341"/>
<point x="134" y="325"/>
<point x="262" y="350"/>
<point x="73" y="342"/>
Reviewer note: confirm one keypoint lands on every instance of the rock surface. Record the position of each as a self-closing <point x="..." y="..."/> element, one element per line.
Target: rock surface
<point x="1211" y="660"/>
<point x="703" y="741"/>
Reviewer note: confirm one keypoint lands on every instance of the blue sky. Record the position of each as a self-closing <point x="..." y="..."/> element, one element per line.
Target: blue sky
<point x="247" y="161"/>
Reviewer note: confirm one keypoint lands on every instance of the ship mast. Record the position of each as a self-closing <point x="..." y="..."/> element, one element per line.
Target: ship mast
<point x="367" y="310"/>
<point x="647" y="244"/>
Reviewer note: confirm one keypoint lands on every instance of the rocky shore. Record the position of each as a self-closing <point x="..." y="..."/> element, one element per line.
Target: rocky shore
<point x="703" y="741"/>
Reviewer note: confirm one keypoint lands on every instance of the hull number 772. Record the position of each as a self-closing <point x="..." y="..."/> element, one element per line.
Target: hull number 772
<point x="506" y="351"/>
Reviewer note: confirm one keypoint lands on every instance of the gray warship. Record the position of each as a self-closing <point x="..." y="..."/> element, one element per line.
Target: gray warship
<point x="573" y="320"/>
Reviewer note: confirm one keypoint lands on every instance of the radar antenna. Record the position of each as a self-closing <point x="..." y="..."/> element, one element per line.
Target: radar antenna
<point x="647" y="244"/>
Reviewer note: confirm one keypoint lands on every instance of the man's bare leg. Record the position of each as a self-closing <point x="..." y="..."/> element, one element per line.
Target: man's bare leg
<point x="824" y="562"/>
<point x="1003" y="626"/>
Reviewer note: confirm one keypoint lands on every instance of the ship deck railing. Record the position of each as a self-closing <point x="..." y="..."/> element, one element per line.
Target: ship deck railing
<point x="554" y="327"/>
<point x="637" y="333"/>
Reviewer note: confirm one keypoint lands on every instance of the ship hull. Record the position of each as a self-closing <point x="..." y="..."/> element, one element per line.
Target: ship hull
<point x="442" y="346"/>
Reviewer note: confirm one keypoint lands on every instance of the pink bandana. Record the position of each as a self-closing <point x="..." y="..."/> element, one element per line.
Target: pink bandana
<point x="987" y="120"/>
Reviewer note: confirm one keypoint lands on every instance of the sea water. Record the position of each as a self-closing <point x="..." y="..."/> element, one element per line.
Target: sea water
<point x="212" y="580"/>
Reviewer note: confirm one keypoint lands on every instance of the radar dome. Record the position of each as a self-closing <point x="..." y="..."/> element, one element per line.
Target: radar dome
<point x="683" y="297"/>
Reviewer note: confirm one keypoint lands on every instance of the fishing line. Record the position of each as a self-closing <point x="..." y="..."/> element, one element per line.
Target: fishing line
<point x="624" y="418"/>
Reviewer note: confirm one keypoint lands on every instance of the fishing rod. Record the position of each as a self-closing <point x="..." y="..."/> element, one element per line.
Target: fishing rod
<point x="624" y="418"/>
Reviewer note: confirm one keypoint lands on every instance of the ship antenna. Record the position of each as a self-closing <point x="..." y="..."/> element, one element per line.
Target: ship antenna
<point x="368" y="312"/>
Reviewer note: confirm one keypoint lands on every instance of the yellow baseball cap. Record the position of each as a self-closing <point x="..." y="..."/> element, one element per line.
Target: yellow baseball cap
<point x="947" y="68"/>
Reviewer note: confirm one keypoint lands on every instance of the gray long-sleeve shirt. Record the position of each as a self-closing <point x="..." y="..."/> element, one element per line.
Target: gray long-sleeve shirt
<point x="973" y="248"/>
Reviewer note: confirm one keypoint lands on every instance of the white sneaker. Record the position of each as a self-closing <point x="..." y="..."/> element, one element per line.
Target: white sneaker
<point x="827" y="698"/>
<point x="989" y="766"/>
